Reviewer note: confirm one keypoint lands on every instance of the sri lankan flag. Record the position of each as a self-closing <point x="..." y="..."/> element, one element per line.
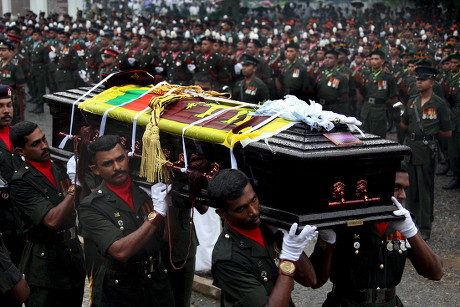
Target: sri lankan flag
<point x="129" y="102"/>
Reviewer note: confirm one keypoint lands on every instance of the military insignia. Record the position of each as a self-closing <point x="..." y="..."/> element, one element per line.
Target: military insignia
<point x="120" y="223"/>
<point x="5" y="195"/>
<point x="295" y="73"/>
<point x="117" y="214"/>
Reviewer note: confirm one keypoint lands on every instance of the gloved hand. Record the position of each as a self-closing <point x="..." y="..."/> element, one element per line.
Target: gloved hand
<point x="293" y="245"/>
<point x="158" y="192"/>
<point x="191" y="67"/>
<point x="52" y="55"/>
<point x="159" y="69"/>
<point x="405" y="226"/>
<point x="238" y="68"/>
<point x="327" y="235"/>
<point x="87" y="44"/>
<point x="81" y="53"/>
<point x="131" y="61"/>
<point x="72" y="168"/>
<point x="83" y="75"/>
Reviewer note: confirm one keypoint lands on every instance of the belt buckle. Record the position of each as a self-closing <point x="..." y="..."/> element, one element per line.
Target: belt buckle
<point x="375" y="296"/>
<point x="371" y="100"/>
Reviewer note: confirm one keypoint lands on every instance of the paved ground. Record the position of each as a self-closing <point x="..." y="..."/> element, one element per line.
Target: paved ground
<point x="414" y="290"/>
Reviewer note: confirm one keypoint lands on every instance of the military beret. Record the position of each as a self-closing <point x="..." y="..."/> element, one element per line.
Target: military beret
<point x="250" y="60"/>
<point x="209" y="39"/>
<point x="93" y="30"/>
<point x="426" y="72"/>
<point x="332" y="51"/>
<point x="147" y="37"/>
<point x="256" y="42"/>
<point x="293" y="45"/>
<point x="5" y="91"/>
<point x="378" y="52"/>
<point x="454" y="56"/>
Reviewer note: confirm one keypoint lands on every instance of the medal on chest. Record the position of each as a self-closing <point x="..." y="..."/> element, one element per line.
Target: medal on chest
<point x="251" y="90"/>
<point x="429" y="113"/>
<point x="295" y="73"/>
<point x="356" y="243"/>
<point x="382" y="85"/>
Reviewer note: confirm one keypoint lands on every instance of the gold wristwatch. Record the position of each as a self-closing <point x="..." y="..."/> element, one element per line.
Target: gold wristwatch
<point x="71" y="190"/>
<point x="287" y="268"/>
<point x="151" y="217"/>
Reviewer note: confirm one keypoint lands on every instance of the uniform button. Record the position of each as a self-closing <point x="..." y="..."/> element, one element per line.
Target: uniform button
<point x="400" y="251"/>
<point x="381" y="266"/>
<point x="150" y="257"/>
<point x="70" y="250"/>
<point x="12" y="155"/>
<point x="116" y="281"/>
<point x="149" y="276"/>
<point x="190" y="222"/>
<point x="26" y="167"/>
<point x="99" y="191"/>
<point x="60" y="194"/>
<point x="378" y="288"/>
<point x="357" y="252"/>
<point x="382" y="242"/>
<point x="15" y="171"/>
<point x="42" y="254"/>
<point x="137" y="216"/>
<point x="122" y="228"/>
<point x="265" y="279"/>
<point x="227" y="236"/>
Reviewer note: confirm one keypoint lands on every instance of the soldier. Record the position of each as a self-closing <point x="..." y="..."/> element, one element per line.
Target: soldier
<point x="53" y="44"/>
<point x="13" y="76"/>
<point x="379" y="90"/>
<point x="146" y="58"/>
<point x="179" y="67"/>
<point x="294" y="79"/>
<point x="53" y="258"/>
<point x="453" y="145"/>
<point x="366" y="263"/>
<point x="332" y="86"/>
<point x="93" y="59"/>
<point x="213" y="63"/>
<point x="263" y="72"/>
<point x="68" y="61"/>
<point x="127" y="227"/>
<point x="243" y="263"/>
<point x="251" y="89"/>
<point x="426" y="118"/>
<point x="109" y="60"/>
<point x="38" y="60"/>
<point x="10" y="162"/>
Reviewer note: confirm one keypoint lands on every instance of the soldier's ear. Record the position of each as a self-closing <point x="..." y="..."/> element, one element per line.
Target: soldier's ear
<point x="94" y="169"/>
<point x="20" y="151"/>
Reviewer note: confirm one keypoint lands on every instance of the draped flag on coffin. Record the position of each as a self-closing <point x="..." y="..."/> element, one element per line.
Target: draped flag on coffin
<point x="126" y="102"/>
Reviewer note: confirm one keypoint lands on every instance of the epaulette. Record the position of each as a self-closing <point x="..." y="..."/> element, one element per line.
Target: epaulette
<point x="223" y="247"/>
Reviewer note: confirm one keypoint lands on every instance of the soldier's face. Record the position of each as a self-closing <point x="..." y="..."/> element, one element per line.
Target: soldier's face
<point x="36" y="37"/>
<point x="6" y="112"/>
<point x="112" y="165"/>
<point x="63" y="38"/>
<point x="5" y="54"/>
<point x="145" y="43"/>
<point x="424" y="84"/>
<point x="401" y="185"/>
<point x="320" y="55"/>
<point x="248" y="70"/>
<point x="90" y="36"/>
<point x="36" y="148"/>
<point x="453" y="64"/>
<point x="376" y="61"/>
<point x="206" y="46"/>
<point x="291" y="54"/>
<point x="243" y="212"/>
<point x="174" y="46"/>
<point x="330" y="61"/>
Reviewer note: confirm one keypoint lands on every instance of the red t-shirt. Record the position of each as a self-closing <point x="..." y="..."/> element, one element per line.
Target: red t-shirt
<point x="123" y="191"/>
<point x="46" y="169"/>
<point x="253" y="234"/>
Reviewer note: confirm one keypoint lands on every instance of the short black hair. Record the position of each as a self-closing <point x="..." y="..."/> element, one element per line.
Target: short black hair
<point x="103" y="143"/>
<point x="203" y="77"/>
<point x="19" y="131"/>
<point x="227" y="184"/>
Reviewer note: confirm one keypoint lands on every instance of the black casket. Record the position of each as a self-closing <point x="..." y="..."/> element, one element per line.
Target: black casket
<point x="300" y="175"/>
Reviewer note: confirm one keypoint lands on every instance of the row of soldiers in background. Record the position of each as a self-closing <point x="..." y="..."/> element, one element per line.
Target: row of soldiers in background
<point x="349" y="70"/>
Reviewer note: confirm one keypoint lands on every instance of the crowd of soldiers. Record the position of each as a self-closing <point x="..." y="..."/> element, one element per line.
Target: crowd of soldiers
<point x="361" y="70"/>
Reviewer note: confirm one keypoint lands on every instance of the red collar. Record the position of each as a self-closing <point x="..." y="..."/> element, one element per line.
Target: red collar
<point x="253" y="234"/>
<point x="46" y="169"/>
<point x="5" y="137"/>
<point x="123" y="191"/>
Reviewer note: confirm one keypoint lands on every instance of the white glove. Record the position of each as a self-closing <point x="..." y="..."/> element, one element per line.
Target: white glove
<point x="191" y="67"/>
<point x="405" y="226"/>
<point x="327" y="235"/>
<point x="83" y="75"/>
<point x="158" y="192"/>
<point x="87" y="44"/>
<point x="72" y="168"/>
<point x="238" y="68"/>
<point x="131" y="61"/>
<point x="81" y="53"/>
<point x="159" y="69"/>
<point x="293" y="245"/>
<point x="52" y="55"/>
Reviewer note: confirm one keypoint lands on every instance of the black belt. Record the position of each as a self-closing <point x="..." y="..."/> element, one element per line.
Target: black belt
<point x="368" y="296"/>
<point x="421" y="137"/>
<point x="373" y="100"/>
<point x="329" y="102"/>
<point x="57" y="237"/>
<point x="138" y="267"/>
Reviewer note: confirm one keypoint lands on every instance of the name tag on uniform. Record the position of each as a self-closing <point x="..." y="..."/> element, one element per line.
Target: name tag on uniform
<point x="295" y="73"/>
<point x="429" y="113"/>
